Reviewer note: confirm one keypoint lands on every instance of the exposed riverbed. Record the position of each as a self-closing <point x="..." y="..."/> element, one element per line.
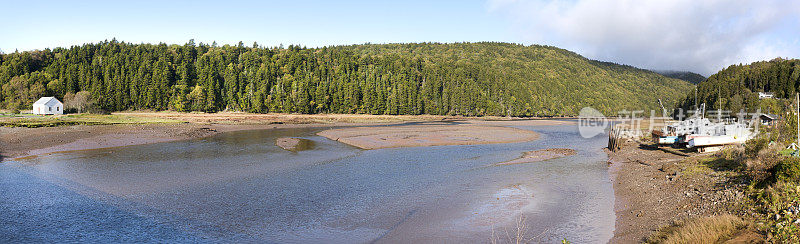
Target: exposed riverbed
<point x="240" y="186"/>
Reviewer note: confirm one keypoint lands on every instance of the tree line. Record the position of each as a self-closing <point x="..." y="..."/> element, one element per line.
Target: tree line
<point x="473" y="79"/>
<point x="736" y="87"/>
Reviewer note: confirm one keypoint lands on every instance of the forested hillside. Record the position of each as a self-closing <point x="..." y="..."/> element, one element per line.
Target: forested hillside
<point x="425" y="78"/>
<point x="736" y="87"/>
<point x="690" y="77"/>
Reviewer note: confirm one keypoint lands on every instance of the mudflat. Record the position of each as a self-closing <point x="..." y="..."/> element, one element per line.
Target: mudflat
<point x="18" y="142"/>
<point x="540" y="155"/>
<point x="427" y="134"/>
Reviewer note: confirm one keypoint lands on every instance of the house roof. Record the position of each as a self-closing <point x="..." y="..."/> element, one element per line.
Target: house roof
<point x="770" y="116"/>
<point x="47" y="101"/>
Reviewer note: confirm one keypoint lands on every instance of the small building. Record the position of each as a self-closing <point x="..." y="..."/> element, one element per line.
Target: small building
<point x="765" y="95"/>
<point x="768" y="119"/>
<point x="48" y="105"/>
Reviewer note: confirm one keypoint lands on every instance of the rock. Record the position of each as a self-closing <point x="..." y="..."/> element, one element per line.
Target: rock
<point x="294" y="144"/>
<point x="670" y="169"/>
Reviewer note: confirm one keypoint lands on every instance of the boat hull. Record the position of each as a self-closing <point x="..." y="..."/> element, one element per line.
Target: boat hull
<point x="704" y="141"/>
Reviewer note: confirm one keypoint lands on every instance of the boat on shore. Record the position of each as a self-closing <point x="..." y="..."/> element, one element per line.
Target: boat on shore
<point x="703" y="134"/>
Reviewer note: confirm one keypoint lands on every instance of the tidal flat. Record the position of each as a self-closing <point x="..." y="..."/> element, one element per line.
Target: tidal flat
<point x="240" y="186"/>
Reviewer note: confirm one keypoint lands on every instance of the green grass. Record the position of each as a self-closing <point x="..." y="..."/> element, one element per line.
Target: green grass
<point x="35" y="121"/>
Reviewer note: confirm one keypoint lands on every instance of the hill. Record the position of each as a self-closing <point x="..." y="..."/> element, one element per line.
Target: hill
<point x="418" y="78"/>
<point x="736" y="87"/>
<point x="690" y="77"/>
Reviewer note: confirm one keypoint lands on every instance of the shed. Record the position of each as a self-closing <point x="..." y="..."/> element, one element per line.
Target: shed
<point x="48" y="105"/>
<point x="768" y="119"/>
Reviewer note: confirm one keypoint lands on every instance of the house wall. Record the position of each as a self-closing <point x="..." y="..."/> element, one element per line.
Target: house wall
<point x="42" y="109"/>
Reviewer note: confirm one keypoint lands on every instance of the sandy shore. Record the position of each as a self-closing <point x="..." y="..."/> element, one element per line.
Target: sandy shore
<point x="427" y="134"/>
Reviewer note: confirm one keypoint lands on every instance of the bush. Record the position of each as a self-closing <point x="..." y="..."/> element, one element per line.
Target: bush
<point x="788" y="170"/>
<point x="774" y="203"/>
<point x="755" y="145"/>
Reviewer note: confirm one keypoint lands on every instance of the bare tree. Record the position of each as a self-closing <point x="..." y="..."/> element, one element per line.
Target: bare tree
<point x="80" y="101"/>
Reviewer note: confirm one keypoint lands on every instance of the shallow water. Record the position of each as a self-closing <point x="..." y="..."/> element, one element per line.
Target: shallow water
<point x="241" y="187"/>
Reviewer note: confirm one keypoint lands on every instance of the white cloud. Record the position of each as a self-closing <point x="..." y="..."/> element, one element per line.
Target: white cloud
<point x="701" y="36"/>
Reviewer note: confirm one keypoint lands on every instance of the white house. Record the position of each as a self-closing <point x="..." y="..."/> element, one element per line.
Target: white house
<point x="762" y="95"/>
<point x="48" y="105"/>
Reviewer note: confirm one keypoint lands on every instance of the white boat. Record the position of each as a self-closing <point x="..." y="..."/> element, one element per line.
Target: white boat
<point x="704" y="141"/>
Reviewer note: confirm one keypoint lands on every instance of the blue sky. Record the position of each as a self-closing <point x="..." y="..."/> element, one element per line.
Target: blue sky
<point x="700" y="36"/>
<point x="305" y="22"/>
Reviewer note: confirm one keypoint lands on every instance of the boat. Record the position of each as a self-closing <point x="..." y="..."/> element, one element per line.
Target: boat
<point x="667" y="140"/>
<point x="699" y="132"/>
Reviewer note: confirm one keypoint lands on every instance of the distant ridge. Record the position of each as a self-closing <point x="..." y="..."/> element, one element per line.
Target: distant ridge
<point x="690" y="77"/>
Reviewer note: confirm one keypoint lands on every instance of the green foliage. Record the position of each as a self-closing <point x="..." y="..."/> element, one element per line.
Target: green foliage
<point x="472" y="79"/>
<point x="788" y="170"/>
<point x="690" y="77"/>
<point x="738" y="85"/>
<point x="775" y="203"/>
<point x="753" y="146"/>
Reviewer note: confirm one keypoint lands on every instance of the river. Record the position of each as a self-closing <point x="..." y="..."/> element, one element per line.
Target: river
<point x="240" y="187"/>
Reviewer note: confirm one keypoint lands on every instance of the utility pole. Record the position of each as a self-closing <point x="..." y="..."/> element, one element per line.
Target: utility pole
<point x="797" y="113"/>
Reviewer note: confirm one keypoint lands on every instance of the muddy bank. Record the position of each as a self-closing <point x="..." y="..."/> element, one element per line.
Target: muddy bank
<point x="16" y="142"/>
<point x="421" y="135"/>
<point x="654" y="188"/>
<point x="540" y="155"/>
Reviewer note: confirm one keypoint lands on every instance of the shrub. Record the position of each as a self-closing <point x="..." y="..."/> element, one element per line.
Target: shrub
<point x="788" y="170"/>
<point x="774" y="203"/>
<point x="755" y="145"/>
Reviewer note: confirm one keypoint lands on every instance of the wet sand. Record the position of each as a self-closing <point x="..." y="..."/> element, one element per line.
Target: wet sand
<point x="16" y="142"/>
<point x="540" y="155"/>
<point x="422" y="135"/>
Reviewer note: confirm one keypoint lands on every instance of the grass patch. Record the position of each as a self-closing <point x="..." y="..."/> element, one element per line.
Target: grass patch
<point x="36" y="121"/>
<point x="695" y="168"/>
<point x="778" y="206"/>
<point x="712" y="229"/>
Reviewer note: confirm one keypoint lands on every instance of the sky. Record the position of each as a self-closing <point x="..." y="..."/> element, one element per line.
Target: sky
<point x="689" y="35"/>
